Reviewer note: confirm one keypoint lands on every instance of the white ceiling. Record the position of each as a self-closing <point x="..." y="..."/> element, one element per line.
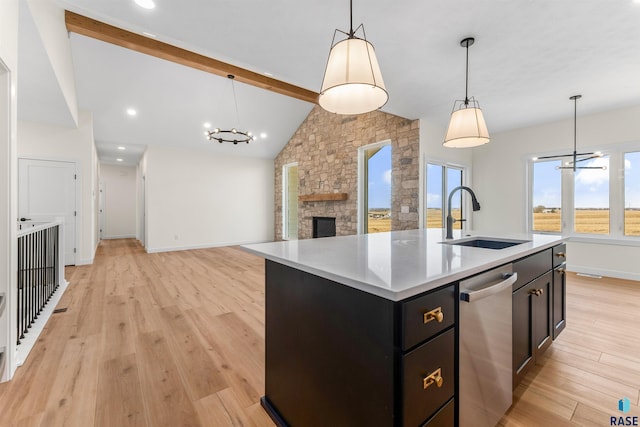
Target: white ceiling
<point x="529" y="57"/>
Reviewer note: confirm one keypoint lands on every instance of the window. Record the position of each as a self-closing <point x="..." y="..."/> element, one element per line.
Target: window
<point x="441" y="179"/>
<point x="375" y="182"/>
<point x="591" y="197"/>
<point x="290" y="202"/>
<point x="632" y="194"/>
<point x="588" y="202"/>
<point x="547" y="196"/>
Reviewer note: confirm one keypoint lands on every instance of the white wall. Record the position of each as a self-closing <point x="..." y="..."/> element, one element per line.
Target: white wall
<point x="199" y="199"/>
<point x="49" y="19"/>
<point x="8" y="175"/>
<point x="46" y="141"/>
<point x="119" y="193"/>
<point x="499" y="178"/>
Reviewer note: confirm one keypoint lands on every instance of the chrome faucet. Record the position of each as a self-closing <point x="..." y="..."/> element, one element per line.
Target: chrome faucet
<point x="450" y="219"/>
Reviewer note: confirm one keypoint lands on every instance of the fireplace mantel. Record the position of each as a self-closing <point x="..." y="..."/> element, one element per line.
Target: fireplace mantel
<point x="323" y="197"/>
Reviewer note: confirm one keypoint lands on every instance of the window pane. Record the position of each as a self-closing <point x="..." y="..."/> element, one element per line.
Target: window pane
<point x="632" y="194"/>
<point x="454" y="179"/>
<point x="592" y="197"/>
<point x="434" y="196"/>
<point x="378" y="189"/>
<point x="547" y="196"/>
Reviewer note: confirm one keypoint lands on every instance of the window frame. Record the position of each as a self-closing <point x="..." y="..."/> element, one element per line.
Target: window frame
<point x="363" y="183"/>
<point x="616" y="154"/>
<point x="466" y="173"/>
<point x="285" y="198"/>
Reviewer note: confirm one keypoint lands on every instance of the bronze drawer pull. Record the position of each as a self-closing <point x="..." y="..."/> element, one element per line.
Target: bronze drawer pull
<point x="434" y="377"/>
<point x="536" y="292"/>
<point x="561" y="270"/>
<point x="435" y="314"/>
<point x="561" y="255"/>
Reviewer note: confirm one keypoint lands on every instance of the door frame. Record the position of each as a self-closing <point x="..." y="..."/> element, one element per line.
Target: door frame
<point x="8" y="218"/>
<point x="363" y="185"/>
<point x="78" y="200"/>
<point x="285" y="196"/>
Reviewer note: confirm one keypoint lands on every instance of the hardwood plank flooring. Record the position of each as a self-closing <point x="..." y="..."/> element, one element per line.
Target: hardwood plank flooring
<point x="177" y="339"/>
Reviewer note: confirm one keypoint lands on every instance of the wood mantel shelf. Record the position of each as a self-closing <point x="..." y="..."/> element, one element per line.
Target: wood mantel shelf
<point x="323" y="197"/>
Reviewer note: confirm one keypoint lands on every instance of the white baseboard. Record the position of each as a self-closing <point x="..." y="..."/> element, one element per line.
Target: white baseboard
<point x="123" y="236"/>
<point x="85" y="261"/>
<point x="203" y="246"/>
<point x="29" y="340"/>
<point x="603" y="272"/>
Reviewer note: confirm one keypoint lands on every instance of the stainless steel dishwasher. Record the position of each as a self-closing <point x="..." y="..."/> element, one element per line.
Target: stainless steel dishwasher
<point x="486" y="347"/>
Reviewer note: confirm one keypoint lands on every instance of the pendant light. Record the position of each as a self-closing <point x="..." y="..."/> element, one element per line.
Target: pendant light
<point x="466" y="127"/>
<point x="233" y="135"/>
<point x="352" y="82"/>
<point x="577" y="157"/>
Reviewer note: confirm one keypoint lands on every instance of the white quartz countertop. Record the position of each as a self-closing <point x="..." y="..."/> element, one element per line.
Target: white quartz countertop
<point x="398" y="264"/>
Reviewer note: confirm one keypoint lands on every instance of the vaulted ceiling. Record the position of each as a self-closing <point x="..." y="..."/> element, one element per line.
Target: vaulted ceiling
<point x="529" y="57"/>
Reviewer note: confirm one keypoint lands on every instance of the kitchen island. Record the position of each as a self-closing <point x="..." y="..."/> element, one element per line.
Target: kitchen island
<point x="363" y="330"/>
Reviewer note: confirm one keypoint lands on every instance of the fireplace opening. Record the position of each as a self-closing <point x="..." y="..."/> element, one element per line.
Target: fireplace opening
<point x="324" y="226"/>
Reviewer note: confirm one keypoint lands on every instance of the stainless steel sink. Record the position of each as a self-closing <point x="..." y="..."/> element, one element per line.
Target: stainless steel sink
<point x="486" y="242"/>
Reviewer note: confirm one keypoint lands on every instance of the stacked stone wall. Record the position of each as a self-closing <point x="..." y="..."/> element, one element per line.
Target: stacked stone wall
<point x="325" y="146"/>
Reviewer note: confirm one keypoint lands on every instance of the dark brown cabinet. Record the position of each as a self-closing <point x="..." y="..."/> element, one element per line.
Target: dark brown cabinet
<point x="337" y="356"/>
<point x="559" y="316"/>
<point x="539" y="307"/>
<point x="532" y="327"/>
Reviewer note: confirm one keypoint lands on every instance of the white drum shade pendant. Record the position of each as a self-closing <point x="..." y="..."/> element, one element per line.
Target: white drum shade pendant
<point x="352" y="82"/>
<point x="467" y="127"/>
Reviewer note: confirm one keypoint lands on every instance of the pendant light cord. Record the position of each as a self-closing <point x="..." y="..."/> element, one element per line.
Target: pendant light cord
<point x="235" y="100"/>
<point x="575" y="131"/>
<point x="466" y="80"/>
<point x="351" y="35"/>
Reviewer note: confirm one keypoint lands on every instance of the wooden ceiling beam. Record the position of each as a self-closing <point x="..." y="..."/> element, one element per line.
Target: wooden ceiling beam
<point x="108" y="33"/>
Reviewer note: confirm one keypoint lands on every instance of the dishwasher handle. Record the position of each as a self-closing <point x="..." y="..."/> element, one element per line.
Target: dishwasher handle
<point x="491" y="289"/>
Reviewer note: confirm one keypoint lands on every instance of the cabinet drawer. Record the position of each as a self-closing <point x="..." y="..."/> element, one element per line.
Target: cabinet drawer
<point x="418" y="325"/>
<point x="421" y="402"/>
<point x="531" y="267"/>
<point x="445" y="416"/>
<point x="559" y="254"/>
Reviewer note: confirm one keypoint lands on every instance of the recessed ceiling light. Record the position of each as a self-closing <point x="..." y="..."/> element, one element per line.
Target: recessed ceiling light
<point x="147" y="4"/>
<point x="263" y="135"/>
<point x="131" y="111"/>
<point x="153" y="36"/>
<point x="122" y="148"/>
<point x="207" y="125"/>
<point x="119" y="160"/>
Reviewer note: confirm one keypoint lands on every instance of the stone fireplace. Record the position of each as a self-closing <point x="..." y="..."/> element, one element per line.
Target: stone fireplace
<point x="325" y="148"/>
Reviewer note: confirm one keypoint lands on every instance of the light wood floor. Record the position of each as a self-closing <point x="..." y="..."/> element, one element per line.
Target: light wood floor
<point x="177" y="339"/>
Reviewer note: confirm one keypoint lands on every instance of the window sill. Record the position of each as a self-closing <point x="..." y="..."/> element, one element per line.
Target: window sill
<point x="605" y="240"/>
<point x="597" y="240"/>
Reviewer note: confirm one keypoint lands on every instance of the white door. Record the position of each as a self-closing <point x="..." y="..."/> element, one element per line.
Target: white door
<point x="46" y="192"/>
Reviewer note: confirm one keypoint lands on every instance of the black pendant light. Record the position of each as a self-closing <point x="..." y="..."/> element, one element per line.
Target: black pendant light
<point x="576" y="157"/>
